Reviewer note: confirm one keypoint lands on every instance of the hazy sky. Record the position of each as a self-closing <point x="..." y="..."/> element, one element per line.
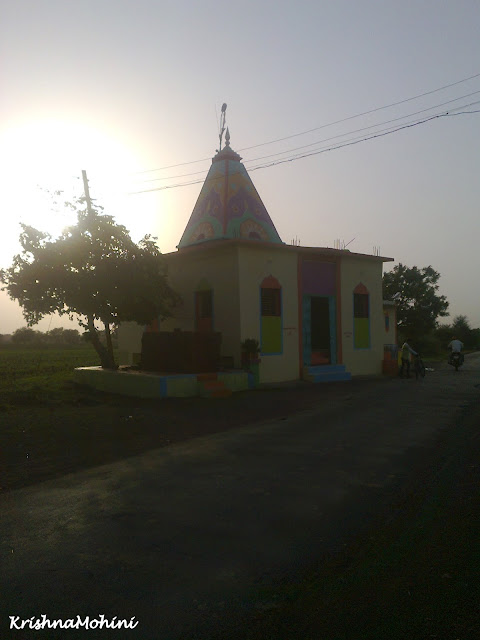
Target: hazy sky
<point x="126" y="89"/>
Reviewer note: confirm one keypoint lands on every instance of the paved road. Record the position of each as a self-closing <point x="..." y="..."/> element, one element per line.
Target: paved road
<point x="188" y="538"/>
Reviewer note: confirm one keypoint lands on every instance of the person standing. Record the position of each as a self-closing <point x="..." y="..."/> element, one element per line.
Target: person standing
<point x="406" y="351"/>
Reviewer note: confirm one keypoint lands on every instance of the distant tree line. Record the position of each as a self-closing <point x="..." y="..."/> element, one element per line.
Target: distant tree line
<point x="460" y="328"/>
<point x="58" y="337"/>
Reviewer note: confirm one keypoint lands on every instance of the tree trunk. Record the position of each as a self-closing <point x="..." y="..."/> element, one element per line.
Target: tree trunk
<point x="108" y="336"/>
<point x="106" y="359"/>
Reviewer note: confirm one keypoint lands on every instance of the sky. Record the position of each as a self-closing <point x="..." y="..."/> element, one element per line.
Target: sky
<point x="131" y="92"/>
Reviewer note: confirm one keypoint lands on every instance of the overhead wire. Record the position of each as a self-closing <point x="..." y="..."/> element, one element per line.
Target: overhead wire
<point x="392" y="129"/>
<point x="358" y="115"/>
<point x="378" y="134"/>
<point x="318" y="142"/>
<point x="372" y="126"/>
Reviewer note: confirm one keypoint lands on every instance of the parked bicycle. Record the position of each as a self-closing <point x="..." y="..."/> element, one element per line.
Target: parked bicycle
<point x="418" y="367"/>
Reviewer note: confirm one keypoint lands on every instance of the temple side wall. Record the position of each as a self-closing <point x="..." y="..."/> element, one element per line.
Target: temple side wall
<point x="191" y="272"/>
<point x="367" y="361"/>
<point x="256" y="264"/>
<point x="235" y="275"/>
<point x="129" y="343"/>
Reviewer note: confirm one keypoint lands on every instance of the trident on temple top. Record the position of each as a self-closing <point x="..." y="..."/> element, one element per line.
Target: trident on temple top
<point x="222" y="124"/>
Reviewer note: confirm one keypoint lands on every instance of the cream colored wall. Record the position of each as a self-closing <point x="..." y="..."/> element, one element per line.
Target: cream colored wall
<point x="220" y="269"/>
<point x="255" y="264"/>
<point x="354" y="271"/>
<point x="235" y="275"/>
<point x="129" y="343"/>
<point x="185" y="271"/>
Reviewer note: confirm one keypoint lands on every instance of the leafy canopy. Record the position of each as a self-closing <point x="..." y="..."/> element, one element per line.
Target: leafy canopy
<point x="416" y="293"/>
<point x="93" y="270"/>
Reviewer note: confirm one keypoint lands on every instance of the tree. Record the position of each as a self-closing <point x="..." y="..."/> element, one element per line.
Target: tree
<point x="443" y="333"/>
<point x="27" y="336"/>
<point x="71" y="336"/>
<point x="476" y="338"/>
<point x="462" y="330"/>
<point x="60" y="336"/>
<point x="55" y="336"/>
<point x="93" y="270"/>
<point x="418" y="304"/>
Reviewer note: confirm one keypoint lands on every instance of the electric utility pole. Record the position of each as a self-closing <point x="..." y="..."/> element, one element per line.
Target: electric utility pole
<point x="87" y="193"/>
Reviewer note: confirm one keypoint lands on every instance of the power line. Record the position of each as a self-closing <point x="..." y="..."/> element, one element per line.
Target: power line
<point x="462" y="113"/>
<point x="364" y="113"/>
<point x="372" y="126"/>
<point x="325" y="150"/>
<point x="386" y="130"/>
<point x="353" y="142"/>
<point x="172" y="166"/>
<point x="358" y="115"/>
<point x="318" y="142"/>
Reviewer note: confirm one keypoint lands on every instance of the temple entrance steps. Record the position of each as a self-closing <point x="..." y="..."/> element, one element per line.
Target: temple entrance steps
<point x="326" y="373"/>
<point x="210" y="387"/>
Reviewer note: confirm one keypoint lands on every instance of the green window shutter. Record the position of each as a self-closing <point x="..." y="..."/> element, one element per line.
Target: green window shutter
<point x="271" y="334"/>
<point x="271" y="317"/>
<point x="361" y="318"/>
<point x="362" y="333"/>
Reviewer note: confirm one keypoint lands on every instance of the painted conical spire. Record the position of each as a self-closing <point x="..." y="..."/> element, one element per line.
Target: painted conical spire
<point x="228" y="206"/>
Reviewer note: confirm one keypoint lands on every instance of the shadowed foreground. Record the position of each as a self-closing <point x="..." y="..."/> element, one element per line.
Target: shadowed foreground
<point x="354" y="518"/>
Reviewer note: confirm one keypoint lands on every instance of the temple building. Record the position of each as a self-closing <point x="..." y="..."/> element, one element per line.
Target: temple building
<point x="317" y="313"/>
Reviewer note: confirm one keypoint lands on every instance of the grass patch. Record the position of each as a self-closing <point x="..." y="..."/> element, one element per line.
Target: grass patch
<point x="42" y="377"/>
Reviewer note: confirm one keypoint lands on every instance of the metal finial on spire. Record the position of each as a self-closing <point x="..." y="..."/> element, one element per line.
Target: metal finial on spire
<point x="222" y="124"/>
<point x="227" y="138"/>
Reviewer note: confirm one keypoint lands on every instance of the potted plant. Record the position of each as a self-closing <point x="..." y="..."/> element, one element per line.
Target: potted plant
<point x="250" y="351"/>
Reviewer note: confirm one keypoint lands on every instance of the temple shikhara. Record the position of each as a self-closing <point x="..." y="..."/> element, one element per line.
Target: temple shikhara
<point x="228" y="206"/>
<point x="316" y="313"/>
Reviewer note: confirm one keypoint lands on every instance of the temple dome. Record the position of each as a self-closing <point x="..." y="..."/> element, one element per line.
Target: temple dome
<point x="228" y="206"/>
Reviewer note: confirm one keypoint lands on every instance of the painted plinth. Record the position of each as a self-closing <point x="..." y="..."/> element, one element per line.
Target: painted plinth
<point x="149" y="385"/>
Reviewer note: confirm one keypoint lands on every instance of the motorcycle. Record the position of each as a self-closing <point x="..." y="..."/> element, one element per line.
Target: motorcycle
<point x="456" y="360"/>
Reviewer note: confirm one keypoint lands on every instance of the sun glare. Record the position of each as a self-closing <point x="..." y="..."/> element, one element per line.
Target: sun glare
<point x="49" y="155"/>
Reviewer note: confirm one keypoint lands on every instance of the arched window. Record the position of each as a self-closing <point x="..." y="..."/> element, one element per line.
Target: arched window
<point x="361" y="317"/>
<point x="271" y="316"/>
<point x="204" y="307"/>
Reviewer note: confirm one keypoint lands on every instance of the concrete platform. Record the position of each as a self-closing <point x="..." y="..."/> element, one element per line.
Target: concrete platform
<point x="142" y="384"/>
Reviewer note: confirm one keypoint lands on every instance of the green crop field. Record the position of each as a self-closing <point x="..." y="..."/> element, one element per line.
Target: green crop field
<point x="40" y="375"/>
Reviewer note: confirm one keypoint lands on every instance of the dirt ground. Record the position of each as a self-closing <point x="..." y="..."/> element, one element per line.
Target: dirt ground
<point x="409" y="567"/>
